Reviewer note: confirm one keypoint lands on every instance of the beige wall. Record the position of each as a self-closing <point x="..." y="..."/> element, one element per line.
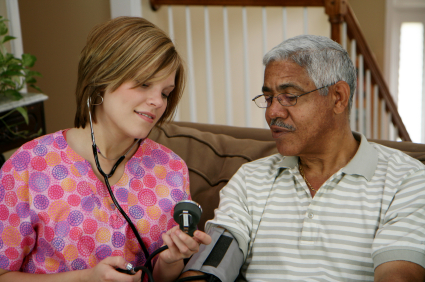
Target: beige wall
<point x="371" y="17"/>
<point x="55" y="32"/>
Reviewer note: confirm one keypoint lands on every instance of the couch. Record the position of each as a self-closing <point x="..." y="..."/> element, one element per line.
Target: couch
<point x="213" y="153"/>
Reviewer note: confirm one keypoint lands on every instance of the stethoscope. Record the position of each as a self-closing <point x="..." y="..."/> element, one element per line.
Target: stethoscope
<point x="186" y="212"/>
<point x="147" y="268"/>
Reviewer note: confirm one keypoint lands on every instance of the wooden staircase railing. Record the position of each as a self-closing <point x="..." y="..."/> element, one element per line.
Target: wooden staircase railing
<point x="355" y="33"/>
<point x="155" y="4"/>
<point x="374" y="101"/>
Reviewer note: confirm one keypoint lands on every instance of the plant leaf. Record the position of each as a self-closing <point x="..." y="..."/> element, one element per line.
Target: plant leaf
<point x="11" y="73"/>
<point x="24" y="113"/>
<point x="13" y="94"/>
<point x="15" y="66"/>
<point x="36" y="88"/>
<point x="7" y="38"/>
<point x="33" y="73"/>
<point x="9" y="82"/>
<point x="30" y="80"/>
<point x="28" y="60"/>
<point x="3" y="28"/>
<point x="9" y="58"/>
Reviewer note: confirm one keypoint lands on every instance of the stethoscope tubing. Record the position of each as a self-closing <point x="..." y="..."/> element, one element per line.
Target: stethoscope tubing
<point x="114" y="200"/>
<point x="147" y="268"/>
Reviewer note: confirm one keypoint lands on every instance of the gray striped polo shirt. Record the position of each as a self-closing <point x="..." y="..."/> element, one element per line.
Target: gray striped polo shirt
<point x="370" y="212"/>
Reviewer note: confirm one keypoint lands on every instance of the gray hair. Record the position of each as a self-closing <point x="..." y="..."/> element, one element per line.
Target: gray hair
<point x="325" y="61"/>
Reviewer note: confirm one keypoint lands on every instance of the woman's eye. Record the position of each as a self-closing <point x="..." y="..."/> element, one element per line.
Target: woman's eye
<point x="145" y="85"/>
<point x="165" y="96"/>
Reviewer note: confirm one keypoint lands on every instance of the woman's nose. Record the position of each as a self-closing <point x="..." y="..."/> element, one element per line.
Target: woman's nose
<point x="155" y="98"/>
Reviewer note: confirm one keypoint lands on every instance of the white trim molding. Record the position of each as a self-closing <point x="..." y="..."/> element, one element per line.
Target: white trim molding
<point x="408" y="3"/>
<point x="16" y="45"/>
<point x="15" y="27"/>
<point x="131" y="8"/>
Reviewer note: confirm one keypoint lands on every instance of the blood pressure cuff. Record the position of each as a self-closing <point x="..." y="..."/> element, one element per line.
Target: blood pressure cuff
<point x="222" y="258"/>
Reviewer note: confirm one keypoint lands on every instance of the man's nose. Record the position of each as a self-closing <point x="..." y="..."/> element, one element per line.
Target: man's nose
<point x="276" y="110"/>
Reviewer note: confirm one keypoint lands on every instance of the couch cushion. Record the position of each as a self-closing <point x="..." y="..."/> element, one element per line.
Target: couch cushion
<point x="212" y="159"/>
<point x="415" y="150"/>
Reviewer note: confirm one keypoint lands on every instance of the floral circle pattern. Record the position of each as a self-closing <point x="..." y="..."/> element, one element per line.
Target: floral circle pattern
<point x="56" y="215"/>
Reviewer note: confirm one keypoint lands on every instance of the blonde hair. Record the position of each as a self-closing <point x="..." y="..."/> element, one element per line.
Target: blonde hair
<point x="122" y="49"/>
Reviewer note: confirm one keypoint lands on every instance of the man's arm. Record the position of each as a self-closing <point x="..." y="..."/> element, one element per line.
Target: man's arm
<point x="225" y="255"/>
<point x="221" y="259"/>
<point x="398" y="249"/>
<point x="191" y="273"/>
<point x="399" y="271"/>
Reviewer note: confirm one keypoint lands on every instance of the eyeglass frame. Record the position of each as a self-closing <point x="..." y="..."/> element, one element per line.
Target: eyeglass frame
<point x="293" y="96"/>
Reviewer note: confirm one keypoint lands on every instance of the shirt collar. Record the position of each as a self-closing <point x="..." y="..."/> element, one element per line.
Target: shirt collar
<point x="363" y="163"/>
<point x="288" y="162"/>
<point x="365" y="160"/>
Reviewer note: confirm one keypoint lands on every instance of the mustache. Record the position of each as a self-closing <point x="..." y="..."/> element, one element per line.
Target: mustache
<point x="280" y="123"/>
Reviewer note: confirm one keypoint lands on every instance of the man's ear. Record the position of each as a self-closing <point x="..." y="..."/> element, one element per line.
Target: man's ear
<point x="341" y="95"/>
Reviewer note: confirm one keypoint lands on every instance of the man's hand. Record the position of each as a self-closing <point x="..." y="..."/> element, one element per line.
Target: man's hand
<point x="399" y="271"/>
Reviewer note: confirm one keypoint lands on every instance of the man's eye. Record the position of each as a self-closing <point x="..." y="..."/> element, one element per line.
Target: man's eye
<point x="288" y="99"/>
<point x="268" y="98"/>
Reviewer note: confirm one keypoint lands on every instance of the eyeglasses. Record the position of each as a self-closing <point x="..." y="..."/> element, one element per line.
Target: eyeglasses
<point x="285" y="99"/>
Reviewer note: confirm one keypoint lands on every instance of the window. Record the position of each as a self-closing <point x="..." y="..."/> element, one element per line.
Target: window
<point x="411" y="78"/>
<point x="404" y="62"/>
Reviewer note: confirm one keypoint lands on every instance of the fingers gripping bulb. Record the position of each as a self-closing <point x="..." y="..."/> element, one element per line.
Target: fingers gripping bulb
<point x="187" y="214"/>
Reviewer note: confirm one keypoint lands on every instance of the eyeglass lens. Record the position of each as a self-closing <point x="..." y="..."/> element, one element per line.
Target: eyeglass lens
<point x="284" y="100"/>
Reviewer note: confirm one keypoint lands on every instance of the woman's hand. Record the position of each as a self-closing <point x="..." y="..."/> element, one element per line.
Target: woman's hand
<point x="180" y="245"/>
<point x="105" y="271"/>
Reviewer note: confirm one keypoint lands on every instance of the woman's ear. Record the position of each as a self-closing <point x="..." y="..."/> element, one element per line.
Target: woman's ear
<point x="341" y="96"/>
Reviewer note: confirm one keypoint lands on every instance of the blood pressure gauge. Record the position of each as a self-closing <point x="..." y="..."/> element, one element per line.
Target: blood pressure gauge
<point x="187" y="214"/>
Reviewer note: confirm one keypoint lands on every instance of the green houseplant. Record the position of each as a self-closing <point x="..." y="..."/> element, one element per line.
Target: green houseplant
<point x="15" y="73"/>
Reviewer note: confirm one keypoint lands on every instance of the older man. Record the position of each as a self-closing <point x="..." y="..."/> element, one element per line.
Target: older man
<point x="331" y="206"/>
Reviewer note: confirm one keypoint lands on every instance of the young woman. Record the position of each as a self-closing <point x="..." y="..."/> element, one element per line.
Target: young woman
<point x="58" y="221"/>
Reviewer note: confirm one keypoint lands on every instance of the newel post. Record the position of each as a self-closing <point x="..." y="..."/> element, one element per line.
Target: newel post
<point x="154" y="5"/>
<point x="336" y="10"/>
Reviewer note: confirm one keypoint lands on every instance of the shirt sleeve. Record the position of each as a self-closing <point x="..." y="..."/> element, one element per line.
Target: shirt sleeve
<point x="233" y="213"/>
<point x="401" y="233"/>
<point x="17" y="233"/>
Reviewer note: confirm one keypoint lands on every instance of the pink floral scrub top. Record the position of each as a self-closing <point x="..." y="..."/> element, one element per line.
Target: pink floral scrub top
<point x="56" y="215"/>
